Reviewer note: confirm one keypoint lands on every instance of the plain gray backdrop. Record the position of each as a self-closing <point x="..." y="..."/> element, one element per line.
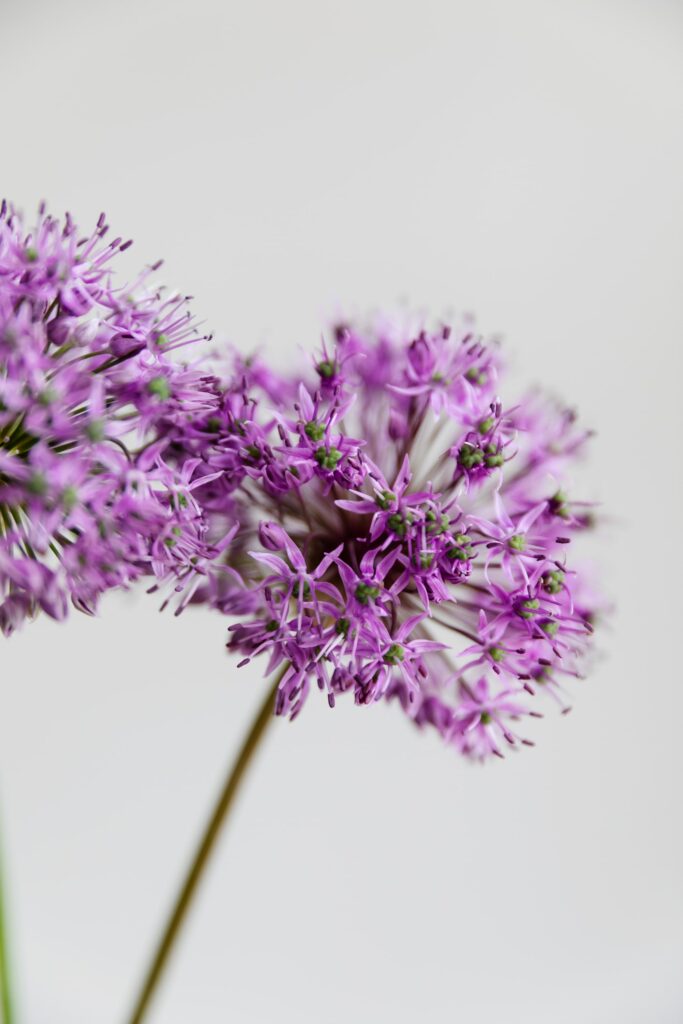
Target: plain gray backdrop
<point x="522" y="160"/>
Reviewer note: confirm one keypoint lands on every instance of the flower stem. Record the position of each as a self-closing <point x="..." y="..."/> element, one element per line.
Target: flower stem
<point x="202" y="855"/>
<point x="6" y="1003"/>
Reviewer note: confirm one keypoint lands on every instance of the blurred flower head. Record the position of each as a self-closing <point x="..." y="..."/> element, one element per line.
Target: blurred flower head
<point x="89" y="401"/>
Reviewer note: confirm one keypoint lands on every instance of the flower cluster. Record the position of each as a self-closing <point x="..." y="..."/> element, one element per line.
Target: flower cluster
<point x="380" y="524"/>
<point x="398" y="533"/>
<point x="89" y="401"/>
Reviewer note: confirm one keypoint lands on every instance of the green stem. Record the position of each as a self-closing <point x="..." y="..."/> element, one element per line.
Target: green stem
<point x="6" y="1002"/>
<point x="202" y="854"/>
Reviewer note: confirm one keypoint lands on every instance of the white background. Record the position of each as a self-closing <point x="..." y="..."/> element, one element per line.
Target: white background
<point x="519" y="159"/>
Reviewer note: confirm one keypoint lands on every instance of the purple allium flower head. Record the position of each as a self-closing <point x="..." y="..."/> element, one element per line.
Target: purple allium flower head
<point x="399" y="532"/>
<point x="382" y="525"/>
<point x="92" y="494"/>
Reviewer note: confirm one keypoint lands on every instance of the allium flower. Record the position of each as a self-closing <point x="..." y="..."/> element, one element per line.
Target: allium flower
<point x="89" y="404"/>
<point x="399" y="533"/>
<point x="383" y="526"/>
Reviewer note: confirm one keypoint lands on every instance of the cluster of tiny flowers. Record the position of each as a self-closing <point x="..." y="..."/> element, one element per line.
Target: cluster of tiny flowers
<point x="380" y="524"/>
<point x="396" y="532"/>
<point x="89" y="403"/>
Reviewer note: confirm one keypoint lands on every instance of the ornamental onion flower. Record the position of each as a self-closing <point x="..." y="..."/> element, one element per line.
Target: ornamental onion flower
<point x="381" y="525"/>
<point x="397" y="532"/>
<point x="89" y="401"/>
